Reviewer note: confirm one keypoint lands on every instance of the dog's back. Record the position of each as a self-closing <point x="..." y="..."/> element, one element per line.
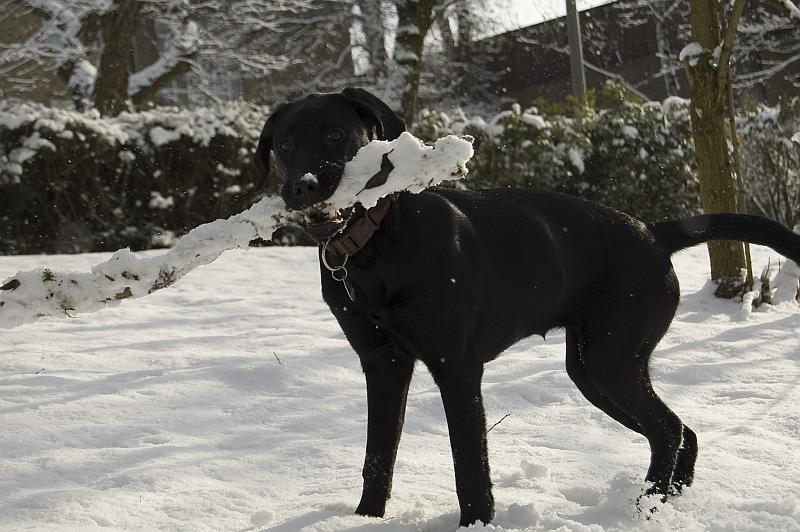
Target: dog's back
<point x="536" y="257"/>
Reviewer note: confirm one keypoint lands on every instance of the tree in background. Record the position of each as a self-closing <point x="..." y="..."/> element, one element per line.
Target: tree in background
<point x="771" y="160"/>
<point x="289" y="47"/>
<point x="667" y="16"/>
<point x="456" y="66"/>
<point x="90" y="44"/>
<point x="450" y="26"/>
<point x="707" y="62"/>
<point x="769" y="44"/>
<point x="372" y="17"/>
<point x="414" y="20"/>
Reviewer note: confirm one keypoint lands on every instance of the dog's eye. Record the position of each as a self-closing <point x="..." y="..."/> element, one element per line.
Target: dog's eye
<point x="335" y="135"/>
<point x="285" y="145"/>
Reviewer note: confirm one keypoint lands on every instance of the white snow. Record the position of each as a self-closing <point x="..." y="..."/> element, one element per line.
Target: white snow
<point x="182" y="47"/>
<point x="83" y="78"/>
<point x="157" y="201"/>
<point x="692" y="52"/>
<point x="576" y="158"/>
<point x="232" y="401"/>
<point x="309" y="178"/>
<point x="160" y="136"/>
<point x="158" y="126"/>
<point x="630" y="131"/>
<point x="533" y="120"/>
<point x="29" y="148"/>
<point x="790" y="10"/>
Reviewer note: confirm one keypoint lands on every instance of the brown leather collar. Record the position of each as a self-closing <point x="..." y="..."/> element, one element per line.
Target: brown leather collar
<point x="356" y="235"/>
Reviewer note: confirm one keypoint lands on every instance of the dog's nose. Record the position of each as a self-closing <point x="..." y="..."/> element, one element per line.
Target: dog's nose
<point x="304" y="186"/>
<point x="299" y="193"/>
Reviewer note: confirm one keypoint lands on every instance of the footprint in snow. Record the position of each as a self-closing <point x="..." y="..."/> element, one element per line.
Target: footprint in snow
<point x="262" y="517"/>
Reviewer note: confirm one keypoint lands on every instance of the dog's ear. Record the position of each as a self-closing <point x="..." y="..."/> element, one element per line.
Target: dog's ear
<point x="261" y="158"/>
<point x="388" y="125"/>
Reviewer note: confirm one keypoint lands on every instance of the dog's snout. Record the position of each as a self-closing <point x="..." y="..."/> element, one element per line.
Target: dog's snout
<point x="302" y="191"/>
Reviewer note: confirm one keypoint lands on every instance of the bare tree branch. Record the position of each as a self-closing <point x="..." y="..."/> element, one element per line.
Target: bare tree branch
<point x="728" y="41"/>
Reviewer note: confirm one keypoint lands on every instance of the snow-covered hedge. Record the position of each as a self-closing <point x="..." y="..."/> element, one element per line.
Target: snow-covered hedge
<point x="635" y="157"/>
<point x="74" y="181"/>
<point x="78" y="182"/>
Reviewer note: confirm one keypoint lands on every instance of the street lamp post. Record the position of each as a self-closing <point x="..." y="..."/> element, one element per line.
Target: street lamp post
<point x="575" y="52"/>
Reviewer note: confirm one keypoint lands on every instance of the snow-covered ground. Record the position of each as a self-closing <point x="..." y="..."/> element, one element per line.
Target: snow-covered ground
<point x="231" y="401"/>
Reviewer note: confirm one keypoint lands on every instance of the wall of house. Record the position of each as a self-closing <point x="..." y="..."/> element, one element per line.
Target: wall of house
<point x="533" y="62"/>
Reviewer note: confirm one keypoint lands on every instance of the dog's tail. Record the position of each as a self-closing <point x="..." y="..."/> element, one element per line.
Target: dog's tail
<point x="679" y="234"/>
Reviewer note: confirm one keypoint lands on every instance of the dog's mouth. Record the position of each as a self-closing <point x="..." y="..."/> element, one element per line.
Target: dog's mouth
<point x="322" y="226"/>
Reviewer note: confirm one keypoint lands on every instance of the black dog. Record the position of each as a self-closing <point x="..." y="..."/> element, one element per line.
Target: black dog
<point x="453" y="278"/>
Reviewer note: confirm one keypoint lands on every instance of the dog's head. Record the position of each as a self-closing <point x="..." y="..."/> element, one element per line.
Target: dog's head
<point x="311" y="140"/>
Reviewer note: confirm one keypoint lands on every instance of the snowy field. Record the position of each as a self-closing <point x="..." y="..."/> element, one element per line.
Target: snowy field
<point x="232" y="402"/>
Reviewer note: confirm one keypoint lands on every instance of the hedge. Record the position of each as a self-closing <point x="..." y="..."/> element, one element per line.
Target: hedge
<point x="75" y="182"/>
<point x="635" y="157"/>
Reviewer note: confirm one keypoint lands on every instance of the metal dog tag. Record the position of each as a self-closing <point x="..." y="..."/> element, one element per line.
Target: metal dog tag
<point x="342" y="277"/>
<point x="339" y="273"/>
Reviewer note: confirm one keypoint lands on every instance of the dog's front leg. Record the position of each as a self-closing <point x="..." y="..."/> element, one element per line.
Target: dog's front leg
<point x="388" y="377"/>
<point x="463" y="405"/>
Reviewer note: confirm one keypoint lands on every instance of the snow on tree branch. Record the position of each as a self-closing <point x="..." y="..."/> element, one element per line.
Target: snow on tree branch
<point x="787" y="8"/>
<point x="28" y="296"/>
<point x="183" y="47"/>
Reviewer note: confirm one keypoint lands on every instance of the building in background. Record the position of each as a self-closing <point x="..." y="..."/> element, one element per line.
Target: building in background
<point x="620" y="40"/>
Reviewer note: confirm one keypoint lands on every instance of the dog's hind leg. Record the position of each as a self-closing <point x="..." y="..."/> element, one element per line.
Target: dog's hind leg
<point x="617" y="342"/>
<point x="683" y="472"/>
<point x="466" y="422"/>
<point x="577" y="372"/>
<point x="388" y="377"/>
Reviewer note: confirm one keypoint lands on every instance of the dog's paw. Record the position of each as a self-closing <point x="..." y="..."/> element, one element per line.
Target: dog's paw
<point x="649" y="502"/>
<point x="371" y="506"/>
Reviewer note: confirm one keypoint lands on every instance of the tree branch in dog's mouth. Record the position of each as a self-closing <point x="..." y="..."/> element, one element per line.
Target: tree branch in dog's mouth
<point x="29" y="296"/>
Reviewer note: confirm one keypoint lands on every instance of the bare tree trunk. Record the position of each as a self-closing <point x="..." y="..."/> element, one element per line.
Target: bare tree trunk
<point x="114" y="70"/>
<point x="415" y="18"/>
<point x="374" y="31"/>
<point x="707" y="89"/>
<point x="671" y="84"/>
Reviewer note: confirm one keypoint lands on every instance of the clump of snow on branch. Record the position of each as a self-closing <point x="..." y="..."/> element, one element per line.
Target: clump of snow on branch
<point x="184" y="44"/>
<point x="692" y="53"/>
<point x="789" y="9"/>
<point x="31" y="295"/>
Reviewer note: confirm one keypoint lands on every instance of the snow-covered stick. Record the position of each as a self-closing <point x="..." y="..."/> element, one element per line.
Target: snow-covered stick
<point x="28" y="296"/>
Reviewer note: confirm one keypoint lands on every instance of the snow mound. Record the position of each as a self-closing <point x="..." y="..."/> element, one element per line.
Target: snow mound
<point x="203" y="409"/>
